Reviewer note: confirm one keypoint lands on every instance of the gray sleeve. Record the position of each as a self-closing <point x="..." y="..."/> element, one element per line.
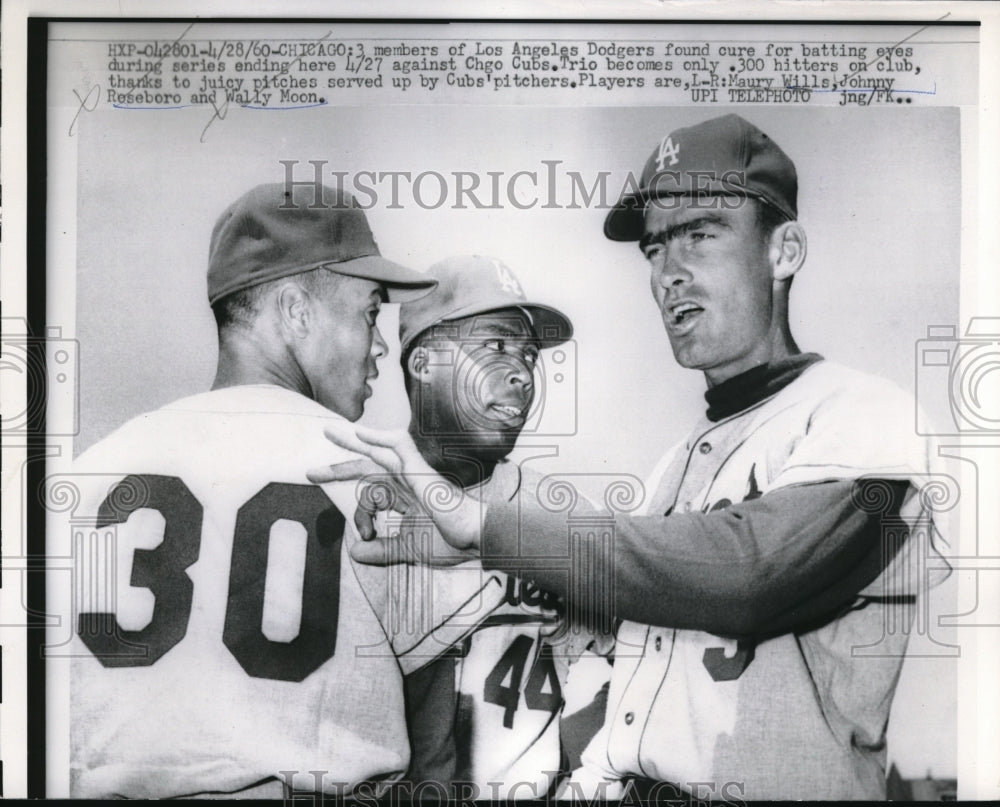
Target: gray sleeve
<point x="785" y="561"/>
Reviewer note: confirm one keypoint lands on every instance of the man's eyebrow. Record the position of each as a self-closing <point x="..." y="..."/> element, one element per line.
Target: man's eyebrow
<point x="667" y="233"/>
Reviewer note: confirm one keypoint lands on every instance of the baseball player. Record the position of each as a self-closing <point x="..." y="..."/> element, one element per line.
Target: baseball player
<point x="489" y="714"/>
<point x="225" y="641"/>
<point x="768" y="588"/>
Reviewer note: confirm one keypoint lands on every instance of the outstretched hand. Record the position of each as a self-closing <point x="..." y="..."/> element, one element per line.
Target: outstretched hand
<point x="397" y="477"/>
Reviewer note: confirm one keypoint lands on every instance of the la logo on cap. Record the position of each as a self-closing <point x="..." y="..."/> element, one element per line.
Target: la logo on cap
<point x="507" y="281"/>
<point x="667" y="149"/>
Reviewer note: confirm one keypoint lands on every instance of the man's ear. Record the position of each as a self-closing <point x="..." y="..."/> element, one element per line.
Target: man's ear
<point x="418" y="363"/>
<point x="787" y="250"/>
<point x="294" y="311"/>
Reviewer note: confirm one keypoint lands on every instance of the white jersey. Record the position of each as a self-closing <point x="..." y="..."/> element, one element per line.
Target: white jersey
<point x="508" y="681"/>
<point x="800" y="714"/>
<point x="223" y="635"/>
<point x="510" y="696"/>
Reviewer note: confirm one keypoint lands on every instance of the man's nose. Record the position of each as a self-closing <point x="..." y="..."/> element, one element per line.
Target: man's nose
<point x="519" y="374"/>
<point x="667" y="269"/>
<point x="379" y="346"/>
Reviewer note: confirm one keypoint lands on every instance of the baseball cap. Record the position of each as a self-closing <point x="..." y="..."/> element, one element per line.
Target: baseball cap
<point x="274" y="231"/>
<point x="721" y="156"/>
<point x="474" y="284"/>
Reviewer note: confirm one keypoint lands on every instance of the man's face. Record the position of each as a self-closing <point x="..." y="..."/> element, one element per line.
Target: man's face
<point x="344" y="344"/>
<point x="712" y="281"/>
<point x="480" y="382"/>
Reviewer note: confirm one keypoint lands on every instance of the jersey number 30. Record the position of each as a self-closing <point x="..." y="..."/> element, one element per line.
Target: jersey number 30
<point x="162" y="571"/>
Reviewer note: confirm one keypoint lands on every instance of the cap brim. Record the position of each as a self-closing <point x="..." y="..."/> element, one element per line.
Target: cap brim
<point x="401" y="284"/>
<point x="551" y="326"/>
<point x="624" y="221"/>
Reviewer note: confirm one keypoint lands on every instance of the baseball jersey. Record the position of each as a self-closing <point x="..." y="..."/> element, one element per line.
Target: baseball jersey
<point x="502" y="715"/>
<point x="223" y="634"/>
<point x="509" y="699"/>
<point x="752" y="710"/>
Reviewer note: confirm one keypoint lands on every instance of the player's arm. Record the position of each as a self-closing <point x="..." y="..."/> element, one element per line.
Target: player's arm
<point x="831" y="527"/>
<point x="783" y="561"/>
<point x="431" y="706"/>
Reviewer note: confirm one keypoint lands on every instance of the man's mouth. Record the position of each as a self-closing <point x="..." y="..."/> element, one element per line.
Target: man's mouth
<point x="508" y="412"/>
<point x="681" y="315"/>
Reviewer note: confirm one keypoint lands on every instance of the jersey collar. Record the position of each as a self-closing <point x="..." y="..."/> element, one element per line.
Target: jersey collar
<point x="753" y="386"/>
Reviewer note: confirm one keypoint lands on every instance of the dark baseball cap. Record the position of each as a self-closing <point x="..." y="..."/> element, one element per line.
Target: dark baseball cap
<point x="474" y="284"/>
<point x="274" y="231"/>
<point x="722" y="156"/>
